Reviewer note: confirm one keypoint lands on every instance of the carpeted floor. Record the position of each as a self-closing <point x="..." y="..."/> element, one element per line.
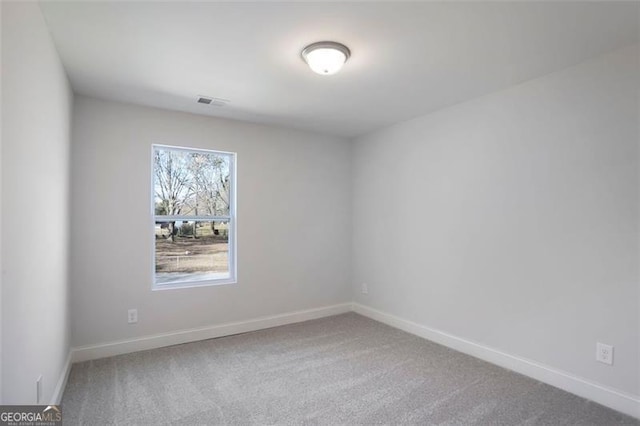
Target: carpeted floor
<point x="345" y="369"/>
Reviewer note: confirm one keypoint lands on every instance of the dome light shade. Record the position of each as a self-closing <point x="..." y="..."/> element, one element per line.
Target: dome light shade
<point x="326" y="57"/>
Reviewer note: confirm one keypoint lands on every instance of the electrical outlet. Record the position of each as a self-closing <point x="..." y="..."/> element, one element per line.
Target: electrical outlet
<point x="365" y="288"/>
<point x="604" y="353"/>
<point x="39" y="389"/>
<point x="132" y="316"/>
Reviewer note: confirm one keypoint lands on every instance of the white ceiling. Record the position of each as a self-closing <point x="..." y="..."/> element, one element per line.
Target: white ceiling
<point x="407" y="58"/>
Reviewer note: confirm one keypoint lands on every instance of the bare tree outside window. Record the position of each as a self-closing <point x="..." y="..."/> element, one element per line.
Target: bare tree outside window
<point x="193" y="211"/>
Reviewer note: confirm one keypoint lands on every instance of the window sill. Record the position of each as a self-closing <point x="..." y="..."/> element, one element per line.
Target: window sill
<point x="193" y="283"/>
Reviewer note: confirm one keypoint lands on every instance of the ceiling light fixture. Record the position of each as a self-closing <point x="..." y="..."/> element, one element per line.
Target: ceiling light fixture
<point x="326" y="57"/>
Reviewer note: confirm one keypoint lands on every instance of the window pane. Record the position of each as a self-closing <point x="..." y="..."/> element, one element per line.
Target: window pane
<point x="191" y="183"/>
<point x="191" y="251"/>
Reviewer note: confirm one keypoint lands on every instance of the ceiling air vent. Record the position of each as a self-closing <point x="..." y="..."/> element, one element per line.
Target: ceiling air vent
<point x="212" y="101"/>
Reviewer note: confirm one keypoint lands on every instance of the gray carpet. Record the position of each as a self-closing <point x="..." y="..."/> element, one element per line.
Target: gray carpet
<point x="345" y="369"/>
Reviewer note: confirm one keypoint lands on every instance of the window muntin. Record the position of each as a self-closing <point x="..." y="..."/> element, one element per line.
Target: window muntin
<point x="194" y="217"/>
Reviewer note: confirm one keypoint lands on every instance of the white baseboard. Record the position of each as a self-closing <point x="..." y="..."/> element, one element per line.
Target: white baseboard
<point x="620" y="401"/>
<point x="85" y="353"/>
<point x="56" y="398"/>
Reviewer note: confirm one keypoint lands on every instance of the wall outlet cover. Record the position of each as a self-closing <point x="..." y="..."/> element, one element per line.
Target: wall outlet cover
<point x="39" y="390"/>
<point x="132" y="316"/>
<point x="604" y="353"/>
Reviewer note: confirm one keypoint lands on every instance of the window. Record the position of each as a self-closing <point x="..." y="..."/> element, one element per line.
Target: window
<point x="194" y="217"/>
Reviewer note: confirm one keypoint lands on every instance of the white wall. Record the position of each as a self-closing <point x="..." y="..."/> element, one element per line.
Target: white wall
<point x="36" y="112"/>
<point x="0" y="217"/>
<point x="293" y="222"/>
<point x="512" y="220"/>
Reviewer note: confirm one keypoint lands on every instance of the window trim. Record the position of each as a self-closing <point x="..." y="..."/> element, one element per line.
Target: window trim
<point x="231" y="218"/>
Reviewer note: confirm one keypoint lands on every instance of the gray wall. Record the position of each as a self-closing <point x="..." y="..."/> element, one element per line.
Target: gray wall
<point x="294" y="216"/>
<point x="512" y="220"/>
<point x="36" y="112"/>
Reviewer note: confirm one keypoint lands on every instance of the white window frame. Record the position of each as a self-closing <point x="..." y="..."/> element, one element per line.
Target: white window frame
<point x="231" y="219"/>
